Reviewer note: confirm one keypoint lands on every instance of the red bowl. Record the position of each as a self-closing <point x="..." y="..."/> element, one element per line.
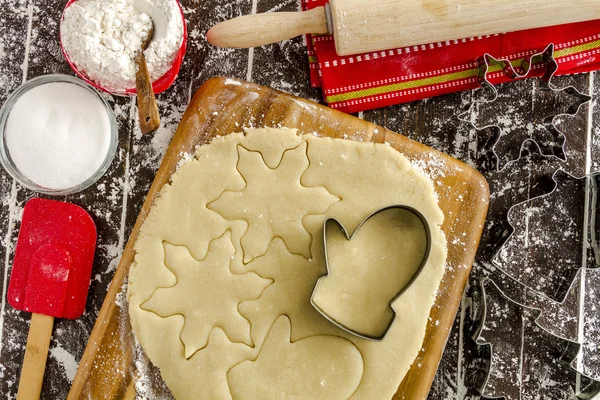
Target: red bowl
<point x="159" y="85"/>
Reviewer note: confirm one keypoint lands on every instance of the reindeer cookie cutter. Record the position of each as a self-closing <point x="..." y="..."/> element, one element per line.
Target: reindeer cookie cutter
<point x="520" y="69"/>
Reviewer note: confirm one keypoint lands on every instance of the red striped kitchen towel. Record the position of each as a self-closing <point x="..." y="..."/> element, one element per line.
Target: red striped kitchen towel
<point x="371" y="80"/>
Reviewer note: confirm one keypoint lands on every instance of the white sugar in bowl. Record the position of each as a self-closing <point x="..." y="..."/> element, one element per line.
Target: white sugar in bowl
<point x="57" y="135"/>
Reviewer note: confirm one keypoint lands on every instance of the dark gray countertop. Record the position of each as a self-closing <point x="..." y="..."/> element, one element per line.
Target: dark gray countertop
<point x="29" y="47"/>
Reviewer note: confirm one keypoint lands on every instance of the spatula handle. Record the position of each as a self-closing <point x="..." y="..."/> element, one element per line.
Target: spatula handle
<point x="36" y="353"/>
<point x="147" y="108"/>
<point x="260" y="29"/>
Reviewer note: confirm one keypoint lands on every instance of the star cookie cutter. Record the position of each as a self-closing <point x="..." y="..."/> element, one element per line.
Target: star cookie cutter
<point x="551" y="229"/>
<point x="349" y="237"/>
<point x="519" y="70"/>
<point x="558" y="352"/>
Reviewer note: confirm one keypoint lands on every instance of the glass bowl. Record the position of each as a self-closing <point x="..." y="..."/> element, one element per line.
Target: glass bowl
<point x="7" y="161"/>
<point x="159" y="85"/>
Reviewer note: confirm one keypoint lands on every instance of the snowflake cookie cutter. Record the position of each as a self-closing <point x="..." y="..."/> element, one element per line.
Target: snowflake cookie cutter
<point x="494" y="381"/>
<point x="419" y="270"/>
<point x="550" y="229"/>
<point x="517" y="70"/>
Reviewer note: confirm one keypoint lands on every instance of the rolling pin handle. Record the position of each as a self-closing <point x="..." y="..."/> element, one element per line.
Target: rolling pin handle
<point x="261" y="29"/>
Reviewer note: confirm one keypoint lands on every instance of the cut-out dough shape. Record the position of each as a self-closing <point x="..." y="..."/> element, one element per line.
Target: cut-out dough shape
<point x="207" y="294"/>
<point x="369" y="268"/>
<point x="274" y="202"/>
<point x="294" y="278"/>
<point x="213" y="361"/>
<point x="317" y="367"/>
<point x="271" y="144"/>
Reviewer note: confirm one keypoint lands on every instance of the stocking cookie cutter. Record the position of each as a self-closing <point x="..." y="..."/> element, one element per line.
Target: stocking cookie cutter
<point x="564" y="351"/>
<point x="349" y="237"/>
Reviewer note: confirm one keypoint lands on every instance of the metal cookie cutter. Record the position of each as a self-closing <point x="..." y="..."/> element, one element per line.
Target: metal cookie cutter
<point x="549" y="230"/>
<point x="532" y="354"/>
<point x="548" y="137"/>
<point x="349" y="238"/>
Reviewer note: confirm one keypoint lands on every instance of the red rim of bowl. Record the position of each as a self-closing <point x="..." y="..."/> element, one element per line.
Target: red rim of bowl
<point x="159" y="85"/>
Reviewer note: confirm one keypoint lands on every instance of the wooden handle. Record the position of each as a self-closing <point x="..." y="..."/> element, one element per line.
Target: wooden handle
<point x="36" y="353"/>
<point x="371" y="25"/>
<point x="147" y="107"/>
<point x="130" y="392"/>
<point x="260" y="29"/>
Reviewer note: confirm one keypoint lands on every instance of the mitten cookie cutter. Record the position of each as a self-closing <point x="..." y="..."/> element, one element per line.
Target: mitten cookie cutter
<point x="349" y="238"/>
<point x="557" y="246"/>
<point x="520" y="70"/>
<point x="563" y="353"/>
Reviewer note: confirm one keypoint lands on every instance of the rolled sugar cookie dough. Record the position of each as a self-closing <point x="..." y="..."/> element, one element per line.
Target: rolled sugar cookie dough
<point x="229" y="254"/>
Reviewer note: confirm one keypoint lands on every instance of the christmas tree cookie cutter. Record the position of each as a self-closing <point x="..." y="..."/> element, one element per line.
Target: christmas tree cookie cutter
<point x="552" y="354"/>
<point x="419" y="270"/>
<point x="549" y="230"/>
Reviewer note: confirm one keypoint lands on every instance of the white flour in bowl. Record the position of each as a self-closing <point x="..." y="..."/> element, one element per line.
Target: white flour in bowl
<point x="101" y="37"/>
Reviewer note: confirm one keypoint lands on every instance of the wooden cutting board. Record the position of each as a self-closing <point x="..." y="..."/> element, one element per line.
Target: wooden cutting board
<point x="222" y="106"/>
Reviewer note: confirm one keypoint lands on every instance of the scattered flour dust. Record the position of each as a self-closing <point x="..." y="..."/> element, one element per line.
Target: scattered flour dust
<point x="433" y="168"/>
<point x="233" y="82"/>
<point x="148" y="151"/>
<point x="66" y="360"/>
<point x="4" y="60"/>
<point x="151" y="155"/>
<point x="184" y="157"/>
<point x="148" y="383"/>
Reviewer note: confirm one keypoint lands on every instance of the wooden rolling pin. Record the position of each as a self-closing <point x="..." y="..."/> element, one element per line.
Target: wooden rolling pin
<point x="361" y="26"/>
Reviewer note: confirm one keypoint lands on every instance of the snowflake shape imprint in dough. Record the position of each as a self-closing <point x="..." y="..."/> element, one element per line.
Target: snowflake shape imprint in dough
<point x="294" y="279"/>
<point x="207" y="294"/>
<point x="274" y="202"/>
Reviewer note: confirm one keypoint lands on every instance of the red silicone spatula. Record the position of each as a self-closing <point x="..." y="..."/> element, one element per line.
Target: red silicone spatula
<point x="50" y="277"/>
